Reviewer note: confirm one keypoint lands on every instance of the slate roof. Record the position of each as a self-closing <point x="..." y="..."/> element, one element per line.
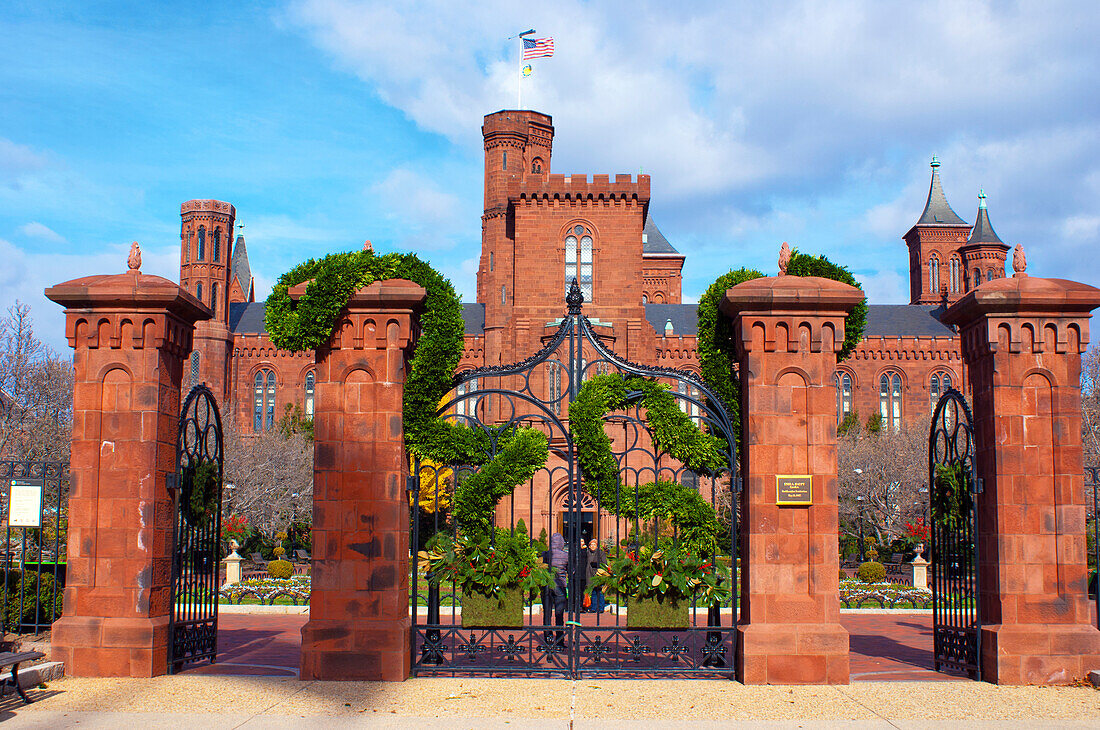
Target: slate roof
<point x="247" y="317"/>
<point x="983" y="230"/>
<point x="242" y="272"/>
<point x="473" y="316"/>
<point x="655" y="241"/>
<point x="937" y="211"/>
<point x="685" y="318"/>
<point x="905" y="320"/>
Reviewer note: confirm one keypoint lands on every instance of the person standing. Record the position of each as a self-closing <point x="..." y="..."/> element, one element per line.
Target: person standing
<point x="595" y="557"/>
<point x="554" y="596"/>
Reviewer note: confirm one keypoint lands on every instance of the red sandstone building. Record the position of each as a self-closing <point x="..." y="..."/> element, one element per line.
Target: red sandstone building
<point x="539" y="231"/>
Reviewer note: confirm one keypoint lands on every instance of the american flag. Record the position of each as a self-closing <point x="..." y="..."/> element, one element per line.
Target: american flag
<point x="537" y="48"/>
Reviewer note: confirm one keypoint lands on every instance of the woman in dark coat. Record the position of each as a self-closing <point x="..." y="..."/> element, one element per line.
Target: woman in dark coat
<point x="554" y="595"/>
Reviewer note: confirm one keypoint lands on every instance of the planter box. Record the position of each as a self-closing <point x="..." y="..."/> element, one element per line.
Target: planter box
<point x="481" y="612"/>
<point x="649" y="613"/>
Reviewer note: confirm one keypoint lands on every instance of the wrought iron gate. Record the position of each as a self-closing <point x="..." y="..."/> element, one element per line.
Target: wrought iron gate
<point x="1092" y="483"/>
<point x="537" y="392"/>
<point x="954" y="489"/>
<point x="197" y="497"/>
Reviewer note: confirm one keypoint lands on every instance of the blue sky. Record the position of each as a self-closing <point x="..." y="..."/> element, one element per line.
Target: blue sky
<point x="327" y="122"/>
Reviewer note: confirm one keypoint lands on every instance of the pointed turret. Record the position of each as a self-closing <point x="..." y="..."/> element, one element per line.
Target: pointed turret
<point x="241" y="286"/>
<point x="983" y="230"/>
<point x="937" y="211"/>
<point x="934" y="244"/>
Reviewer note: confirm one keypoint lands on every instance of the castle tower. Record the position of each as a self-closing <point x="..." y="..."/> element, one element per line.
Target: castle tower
<point x="985" y="253"/>
<point x="936" y="264"/>
<point x="205" y="264"/>
<point x="205" y="259"/>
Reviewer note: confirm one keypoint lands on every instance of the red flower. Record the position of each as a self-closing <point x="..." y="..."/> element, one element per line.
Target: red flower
<point x="525" y="572"/>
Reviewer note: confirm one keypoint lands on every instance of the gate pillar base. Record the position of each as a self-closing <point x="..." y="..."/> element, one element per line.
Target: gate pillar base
<point x="356" y="650"/>
<point x="99" y="646"/>
<point x="1038" y="653"/>
<point x="792" y="654"/>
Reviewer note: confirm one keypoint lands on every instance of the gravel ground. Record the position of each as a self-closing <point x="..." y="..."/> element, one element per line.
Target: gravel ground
<point x="227" y="701"/>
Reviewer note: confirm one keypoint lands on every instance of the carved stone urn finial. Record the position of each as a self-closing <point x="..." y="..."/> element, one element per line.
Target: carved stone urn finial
<point x="784" y="258"/>
<point x="1019" y="262"/>
<point x="134" y="260"/>
<point x="367" y="246"/>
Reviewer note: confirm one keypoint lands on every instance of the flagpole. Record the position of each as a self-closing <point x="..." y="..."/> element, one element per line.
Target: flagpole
<point x="519" y="80"/>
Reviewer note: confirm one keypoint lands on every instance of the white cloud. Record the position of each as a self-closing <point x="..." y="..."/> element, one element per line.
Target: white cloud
<point x="37" y="230"/>
<point x="1081" y="226"/>
<point x="416" y="198"/>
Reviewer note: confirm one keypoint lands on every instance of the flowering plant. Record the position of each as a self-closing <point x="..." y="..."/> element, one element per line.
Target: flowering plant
<point x="236" y="527"/>
<point x="477" y="564"/>
<point x="668" y="571"/>
<point x="917" y="531"/>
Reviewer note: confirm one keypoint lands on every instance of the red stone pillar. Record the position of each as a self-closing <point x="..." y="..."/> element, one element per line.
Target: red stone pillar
<point x="130" y="333"/>
<point x="359" y="607"/>
<point x="1022" y="340"/>
<point x="788" y="330"/>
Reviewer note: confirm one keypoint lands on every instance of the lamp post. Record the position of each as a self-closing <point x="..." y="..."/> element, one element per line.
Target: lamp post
<point x="859" y="520"/>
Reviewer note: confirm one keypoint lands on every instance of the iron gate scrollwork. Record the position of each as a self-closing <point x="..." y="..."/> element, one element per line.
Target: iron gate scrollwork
<point x="197" y="498"/>
<point x="953" y="491"/>
<point x="537" y="392"/>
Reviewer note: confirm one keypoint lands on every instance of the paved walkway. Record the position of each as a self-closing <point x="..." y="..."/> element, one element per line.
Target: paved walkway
<point x="884" y="647"/>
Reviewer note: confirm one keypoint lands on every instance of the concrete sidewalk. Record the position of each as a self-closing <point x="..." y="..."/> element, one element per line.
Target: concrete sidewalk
<point x="213" y="702"/>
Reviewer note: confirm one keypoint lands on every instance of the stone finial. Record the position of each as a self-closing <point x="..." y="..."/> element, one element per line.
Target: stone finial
<point x="784" y="258"/>
<point x="1019" y="262"/>
<point x="134" y="259"/>
<point x="367" y="246"/>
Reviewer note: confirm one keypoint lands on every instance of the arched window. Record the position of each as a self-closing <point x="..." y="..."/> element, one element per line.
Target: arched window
<point x="578" y="260"/>
<point x="889" y="399"/>
<point x="934" y="274"/>
<point x="689" y="401"/>
<point x="201" y="255"/>
<point x="311" y="382"/>
<point x="263" y="405"/>
<point x="198" y="291"/>
<point x="503" y="294"/>
<point x="843" y="383"/>
<point x="553" y="391"/>
<point x="504" y="161"/>
<point x="187" y="248"/>
<point x="941" y="383"/>
<point x="217" y="244"/>
<point x="490" y="261"/>
<point x="466" y="407"/>
<point x="976" y="281"/>
<point x="955" y="274"/>
<point x="536" y="165"/>
<point x="214" y="298"/>
<point x="989" y="275"/>
<point x="645" y="299"/>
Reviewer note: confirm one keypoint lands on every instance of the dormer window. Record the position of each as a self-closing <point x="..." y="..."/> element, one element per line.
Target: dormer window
<point x="668" y="328"/>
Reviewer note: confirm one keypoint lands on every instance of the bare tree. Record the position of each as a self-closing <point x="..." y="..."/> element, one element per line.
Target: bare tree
<point x="1090" y="406"/>
<point x="883" y="480"/>
<point x="271" y="473"/>
<point x="36" y="392"/>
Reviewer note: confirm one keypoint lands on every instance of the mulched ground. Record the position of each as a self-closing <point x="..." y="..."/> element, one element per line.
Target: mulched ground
<point x="883" y="647"/>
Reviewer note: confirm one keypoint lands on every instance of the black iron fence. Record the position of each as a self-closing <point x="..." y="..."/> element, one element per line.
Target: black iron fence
<point x="34" y="507"/>
<point x="1092" y="483"/>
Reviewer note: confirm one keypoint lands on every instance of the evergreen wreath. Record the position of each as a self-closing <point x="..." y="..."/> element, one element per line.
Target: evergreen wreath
<point x="508" y="456"/>
<point x="673" y="431"/>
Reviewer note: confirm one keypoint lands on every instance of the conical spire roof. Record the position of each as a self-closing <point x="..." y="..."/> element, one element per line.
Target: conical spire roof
<point x="242" y="272"/>
<point x="983" y="230"/>
<point x="937" y="212"/>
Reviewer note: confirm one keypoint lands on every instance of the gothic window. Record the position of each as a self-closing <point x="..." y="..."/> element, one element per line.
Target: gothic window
<point x="941" y="382"/>
<point x="843" y="383"/>
<point x="187" y="248"/>
<point x="689" y="401"/>
<point x="536" y="165"/>
<point x="553" y="377"/>
<point x="989" y="275"/>
<point x="934" y="274"/>
<point x="504" y="161"/>
<point x="263" y="404"/>
<point x="217" y="244"/>
<point x="198" y="291"/>
<point x="490" y="261"/>
<point x="977" y="280"/>
<point x="503" y="294"/>
<point x="889" y="399"/>
<point x="578" y="260"/>
<point x="311" y="383"/>
<point x="201" y="255"/>
<point x="194" y="368"/>
<point x="955" y="274"/>
<point x="645" y="299"/>
<point x="214" y="298"/>
<point x="466" y="406"/>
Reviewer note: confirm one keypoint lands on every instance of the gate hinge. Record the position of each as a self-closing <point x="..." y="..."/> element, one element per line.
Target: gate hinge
<point x="411" y="483"/>
<point x="737" y="485"/>
<point x="979" y="485"/>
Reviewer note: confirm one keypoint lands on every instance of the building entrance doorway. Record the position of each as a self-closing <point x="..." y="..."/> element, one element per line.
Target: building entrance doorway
<point x="570" y="523"/>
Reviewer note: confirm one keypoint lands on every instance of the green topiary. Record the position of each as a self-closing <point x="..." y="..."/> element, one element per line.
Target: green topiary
<point x="874" y="423"/>
<point x="871" y="572"/>
<point x="279" y="551"/>
<point x="280" y="569"/>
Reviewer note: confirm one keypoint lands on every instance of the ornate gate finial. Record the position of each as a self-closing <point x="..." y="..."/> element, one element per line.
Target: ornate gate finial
<point x="574" y="298"/>
<point x="784" y="258"/>
<point x="134" y="260"/>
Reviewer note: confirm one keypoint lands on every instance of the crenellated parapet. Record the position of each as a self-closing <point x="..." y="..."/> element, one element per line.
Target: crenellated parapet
<point x="573" y="188"/>
<point x="908" y="349"/>
<point x="379" y="316"/>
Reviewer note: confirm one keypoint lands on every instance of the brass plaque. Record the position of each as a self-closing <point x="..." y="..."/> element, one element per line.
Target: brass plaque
<point x="794" y="489"/>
